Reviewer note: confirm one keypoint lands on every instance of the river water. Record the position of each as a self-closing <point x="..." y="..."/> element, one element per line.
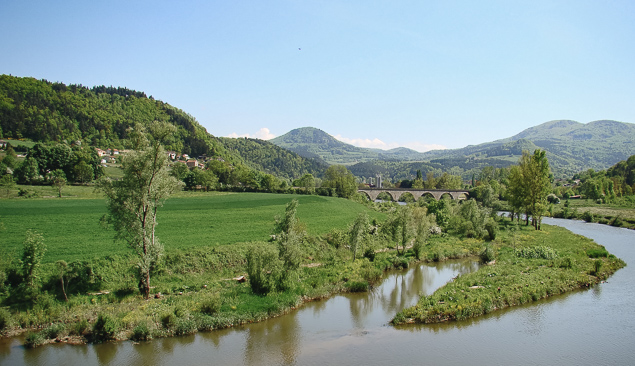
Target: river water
<point x="587" y="327"/>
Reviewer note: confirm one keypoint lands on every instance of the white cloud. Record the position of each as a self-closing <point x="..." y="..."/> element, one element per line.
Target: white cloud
<point x="263" y="134"/>
<point x="379" y="144"/>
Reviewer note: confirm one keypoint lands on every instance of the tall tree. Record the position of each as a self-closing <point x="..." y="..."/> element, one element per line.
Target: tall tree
<point x="530" y="184"/>
<point x="358" y="233"/>
<point x="134" y="200"/>
<point x="340" y="178"/>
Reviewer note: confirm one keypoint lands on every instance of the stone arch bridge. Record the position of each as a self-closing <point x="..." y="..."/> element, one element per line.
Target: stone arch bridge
<point x="396" y="193"/>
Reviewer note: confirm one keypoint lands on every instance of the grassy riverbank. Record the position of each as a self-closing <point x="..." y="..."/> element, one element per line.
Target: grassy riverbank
<point x="529" y="265"/>
<point x="620" y="213"/>
<point x="207" y="237"/>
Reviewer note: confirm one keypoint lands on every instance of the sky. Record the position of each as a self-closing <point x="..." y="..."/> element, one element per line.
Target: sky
<point x="383" y="74"/>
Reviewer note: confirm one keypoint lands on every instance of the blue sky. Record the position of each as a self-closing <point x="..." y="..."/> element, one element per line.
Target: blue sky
<point x="421" y="74"/>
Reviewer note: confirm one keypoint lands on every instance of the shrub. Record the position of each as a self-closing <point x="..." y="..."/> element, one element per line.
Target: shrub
<point x="597" y="253"/>
<point x="417" y="248"/>
<point x="80" y="327"/>
<point x="185" y="326"/>
<point x="616" y="221"/>
<point x="5" y="319"/>
<point x="370" y="254"/>
<point x="357" y="286"/>
<point x="53" y="331"/>
<point x="487" y="255"/>
<point x="33" y="340"/>
<point x="141" y="333"/>
<point x="492" y="229"/>
<point x="566" y="263"/>
<point x="588" y="216"/>
<point x="104" y="329"/>
<point x="211" y="305"/>
<point x="263" y="268"/>
<point x="539" y="252"/>
<point x="597" y="265"/>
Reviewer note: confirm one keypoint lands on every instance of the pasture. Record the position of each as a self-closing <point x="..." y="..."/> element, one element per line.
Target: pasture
<point x="72" y="230"/>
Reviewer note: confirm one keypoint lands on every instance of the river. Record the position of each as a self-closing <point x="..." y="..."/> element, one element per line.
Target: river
<point x="586" y="327"/>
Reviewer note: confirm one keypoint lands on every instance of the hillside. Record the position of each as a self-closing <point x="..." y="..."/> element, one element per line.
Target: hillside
<point x="41" y="111"/>
<point x="269" y="158"/>
<point x="314" y="143"/>
<point x="571" y="147"/>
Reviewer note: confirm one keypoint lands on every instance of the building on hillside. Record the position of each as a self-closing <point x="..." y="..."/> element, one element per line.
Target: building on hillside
<point x="193" y="163"/>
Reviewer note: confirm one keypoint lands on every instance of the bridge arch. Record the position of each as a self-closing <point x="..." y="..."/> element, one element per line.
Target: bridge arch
<point x="395" y="193"/>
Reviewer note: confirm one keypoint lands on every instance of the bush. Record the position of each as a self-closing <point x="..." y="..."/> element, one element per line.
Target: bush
<point x="566" y="263"/>
<point x="487" y="255"/>
<point x="33" y="340"/>
<point x="104" y="329"/>
<point x="54" y="331"/>
<point x="370" y="254"/>
<point x="185" y="326"/>
<point x="5" y="319"/>
<point x="357" y="286"/>
<point x="263" y="269"/>
<point x="597" y="253"/>
<point x="588" y="216"/>
<point x="597" y="265"/>
<point x="211" y="305"/>
<point x="616" y="221"/>
<point x="141" y="333"/>
<point x="417" y="249"/>
<point x="80" y="327"/>
<point x="492" y="229"/>
<point x="539" y="252"/>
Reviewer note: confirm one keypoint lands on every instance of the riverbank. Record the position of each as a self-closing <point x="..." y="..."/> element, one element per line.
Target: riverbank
<point x="529" y="265"/>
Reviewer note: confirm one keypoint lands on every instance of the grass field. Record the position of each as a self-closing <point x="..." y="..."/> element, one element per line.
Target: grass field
<point x="72" y="231"/>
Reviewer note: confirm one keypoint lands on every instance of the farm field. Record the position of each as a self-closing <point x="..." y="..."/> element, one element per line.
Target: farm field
<point x="72" y="230"/>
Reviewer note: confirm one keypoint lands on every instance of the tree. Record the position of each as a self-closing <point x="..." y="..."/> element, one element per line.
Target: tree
<point x="32" y="254"/>
<point x="529" y="185"/>
<point x="340" y="178"/>
<point x="358" y="234"/>
<point x="28" y="172"/>
<point x="83" y="172"/>
<point x="7" y="182"/>
<point x="134" y="200"/>
<point x="58" y="180"/>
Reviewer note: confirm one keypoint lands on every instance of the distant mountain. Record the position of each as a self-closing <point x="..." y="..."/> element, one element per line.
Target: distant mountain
<point x="571" y="147"/>
<point x="311" y="142"/>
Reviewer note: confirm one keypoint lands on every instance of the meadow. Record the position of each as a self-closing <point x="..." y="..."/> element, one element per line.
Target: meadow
<point x="72" y="230"/>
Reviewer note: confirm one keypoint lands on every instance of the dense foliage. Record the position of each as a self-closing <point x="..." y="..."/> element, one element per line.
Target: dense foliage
<point x="269" y="158"/>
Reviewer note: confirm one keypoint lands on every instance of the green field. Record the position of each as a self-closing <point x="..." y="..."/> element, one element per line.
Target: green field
<point x="72" y="231"/>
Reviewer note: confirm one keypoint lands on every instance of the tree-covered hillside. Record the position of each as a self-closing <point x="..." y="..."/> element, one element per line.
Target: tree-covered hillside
<point x="43" y="111"/>
<point x="269" y="158"/>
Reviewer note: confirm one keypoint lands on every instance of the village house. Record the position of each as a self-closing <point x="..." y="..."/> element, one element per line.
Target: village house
<point x="193" y="163"/>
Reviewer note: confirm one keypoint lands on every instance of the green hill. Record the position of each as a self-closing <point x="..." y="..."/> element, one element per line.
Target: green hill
<point x="42" y="111"/>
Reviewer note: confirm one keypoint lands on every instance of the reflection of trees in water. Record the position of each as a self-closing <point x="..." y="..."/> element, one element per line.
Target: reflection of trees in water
<point x="106" y="352"/>
<point x="273" y="340"/>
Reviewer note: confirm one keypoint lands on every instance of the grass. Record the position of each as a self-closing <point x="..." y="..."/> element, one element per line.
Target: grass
<point x="516" y="277"/>
<point x="72" y="231"/>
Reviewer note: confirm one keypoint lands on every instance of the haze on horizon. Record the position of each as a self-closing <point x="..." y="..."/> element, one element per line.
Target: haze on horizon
<point x="379" y="74"/>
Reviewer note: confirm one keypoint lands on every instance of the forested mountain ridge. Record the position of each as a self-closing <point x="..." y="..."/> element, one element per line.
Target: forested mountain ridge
<point x="272" y="159"/>
<point x="571" y="147"/>
<point x="312" y="142"/>
<point x="43" y="111"/>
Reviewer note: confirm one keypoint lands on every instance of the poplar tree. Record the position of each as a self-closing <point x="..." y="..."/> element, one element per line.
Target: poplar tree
<point x="133" y="201"/>
<point x="529" y="185"/>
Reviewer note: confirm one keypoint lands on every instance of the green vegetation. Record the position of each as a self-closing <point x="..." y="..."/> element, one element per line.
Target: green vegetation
<point x="525" y="270"/>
